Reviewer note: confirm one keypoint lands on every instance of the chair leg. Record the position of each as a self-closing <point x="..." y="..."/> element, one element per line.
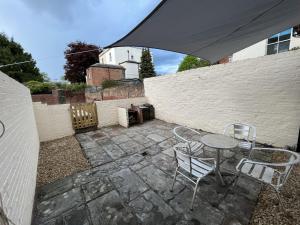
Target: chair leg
<point x="236" y="180"/>
<point x="174" y="179"/>
<point x="194" y="195"/>
<point x="280" y="201"/>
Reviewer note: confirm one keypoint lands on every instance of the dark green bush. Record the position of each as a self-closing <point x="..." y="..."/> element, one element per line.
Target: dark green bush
<point x="76" y="87"/>
<point x="37" y="87"/>
<point x="109" y="83"/>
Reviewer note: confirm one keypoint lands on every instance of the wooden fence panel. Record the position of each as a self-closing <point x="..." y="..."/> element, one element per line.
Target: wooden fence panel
<point x="83" y="115"/>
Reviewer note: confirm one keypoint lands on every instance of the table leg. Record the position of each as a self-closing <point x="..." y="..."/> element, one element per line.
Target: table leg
<point x="218" y="173"/>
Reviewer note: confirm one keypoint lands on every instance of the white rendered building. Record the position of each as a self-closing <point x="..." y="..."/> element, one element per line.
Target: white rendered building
<point x="281" y="42"/>
<point x="128" y="57"/>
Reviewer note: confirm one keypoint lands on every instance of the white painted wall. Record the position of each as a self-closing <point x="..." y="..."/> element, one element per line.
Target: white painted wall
<point x="263" y="91"/>
<point x="295" y="42"/>
<point x="253" y="51"/>
<point x="19" y="149"/>
<point x="131" y="70"/>
<point x="120" y="55"/>
<point x="53" y="121"/>
<point x="107" y="111"/>
<point x="260" y="49"/>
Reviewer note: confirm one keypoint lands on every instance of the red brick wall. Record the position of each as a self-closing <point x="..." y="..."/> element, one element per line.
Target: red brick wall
<point x="53" y="99"/>
<point x="119" y="92"/>
<point x="77" y="97"/>
<point x="50" y="99"/>
<point x="96" y="75"/>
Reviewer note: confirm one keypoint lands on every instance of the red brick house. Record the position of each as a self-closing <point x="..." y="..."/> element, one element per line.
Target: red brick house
<point x="99" y="72"/>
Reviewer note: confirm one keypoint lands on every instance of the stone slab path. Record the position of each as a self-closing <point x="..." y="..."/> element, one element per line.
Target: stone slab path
<point x="129" y="183"/>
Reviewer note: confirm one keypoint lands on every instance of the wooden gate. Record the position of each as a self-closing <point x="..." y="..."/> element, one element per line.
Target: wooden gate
<point x="83" y="115"/>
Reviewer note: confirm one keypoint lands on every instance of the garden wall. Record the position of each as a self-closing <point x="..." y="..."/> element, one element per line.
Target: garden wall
<point x="119" y="92"/>
<point x="59" y="97"/>
<point x="108" y="110"/>
<point x="53" y="121"/>
<point x="264" y="91"/>
<point x="19" y="148"/>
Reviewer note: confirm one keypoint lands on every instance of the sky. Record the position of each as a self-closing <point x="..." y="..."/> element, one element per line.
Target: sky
<point x="45" y="27"/>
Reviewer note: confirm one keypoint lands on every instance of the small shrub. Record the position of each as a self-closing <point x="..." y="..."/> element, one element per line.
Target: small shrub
<point x="109" y="83"/>
<point x="37" y="87"/>
<point x="76" y="87"/>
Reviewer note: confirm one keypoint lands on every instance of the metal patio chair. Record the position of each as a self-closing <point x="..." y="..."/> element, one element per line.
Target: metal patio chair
<point x="273" y="174"/>
<point x="190" y="146"/>
<point x="245" y="132"/>
<point x="192" y="168"/>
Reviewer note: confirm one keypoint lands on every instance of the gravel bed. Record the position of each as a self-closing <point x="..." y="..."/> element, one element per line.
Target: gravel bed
<point x="58" y="159"/>
<point x="268" y="211"/>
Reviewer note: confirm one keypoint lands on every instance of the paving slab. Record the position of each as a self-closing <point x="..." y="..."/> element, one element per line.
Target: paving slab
<point x="152" y="150"/>
<point x="104" y="141"/>
<point x="238" y="206"/>
<point x="139" y="165"/>
<point x="88" y="144"/>
<point x="96" y="188"/>
<point x="151" y="209"/>
<point x="97" y="156"/>
<point x="129" y="160"/>
<point x="114" y="151"/>
<point x="157" y="138"/>
<point x="131" y="147"/>
<point x="140" y="139"/>
<point x="98" y="135"/>
<point x="169" y="143"/>
<point x="169" y="152"/>
<point x="164" y="162"/>
<point x="203" y="212"/>
<point x="59" y="204"/>
<point x="55" y="188"/>
<point x="83" y="137"/>
<point x="128" y="184"/>
<point x="106" y="169"/>
<point x="110" y="210"/>
<point x="77" y="216"/>
<point x="120" y="139"/>
<point x="160" y="182"/>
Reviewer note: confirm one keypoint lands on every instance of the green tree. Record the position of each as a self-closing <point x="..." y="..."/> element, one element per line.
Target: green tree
<point x="191" y="62"/>
<point x="76" y="64"/>
<point x="146" y="67"/>
<point x="12" y="52"/>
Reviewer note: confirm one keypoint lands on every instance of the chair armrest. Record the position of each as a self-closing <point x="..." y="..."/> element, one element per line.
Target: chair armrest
<point x="177" y="135"/>
<point x="180" y="137"/>
<point x="296" y="155"/>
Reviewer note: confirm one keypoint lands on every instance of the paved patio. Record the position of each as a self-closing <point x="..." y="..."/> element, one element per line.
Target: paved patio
<point x="129" y="183"/>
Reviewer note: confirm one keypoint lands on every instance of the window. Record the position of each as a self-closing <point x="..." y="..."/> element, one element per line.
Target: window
<point x="110" y="58"/>
<point x="279" y="42"/>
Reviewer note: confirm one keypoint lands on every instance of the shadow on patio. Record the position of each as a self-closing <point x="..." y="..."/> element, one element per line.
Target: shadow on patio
<point x="130" y="180"/>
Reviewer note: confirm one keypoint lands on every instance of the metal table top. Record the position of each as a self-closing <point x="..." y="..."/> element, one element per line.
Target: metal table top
<point x="219" y="141"/>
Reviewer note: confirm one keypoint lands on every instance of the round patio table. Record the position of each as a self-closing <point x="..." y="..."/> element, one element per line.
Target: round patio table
<point x="219" y="142"/>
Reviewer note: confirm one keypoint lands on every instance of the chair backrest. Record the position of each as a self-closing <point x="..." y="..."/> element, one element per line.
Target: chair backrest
<point x="283" y="169"/>
<point x="241" y="131"/>
<point x="185" y="140"/>
<point x="191" y="165"/>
